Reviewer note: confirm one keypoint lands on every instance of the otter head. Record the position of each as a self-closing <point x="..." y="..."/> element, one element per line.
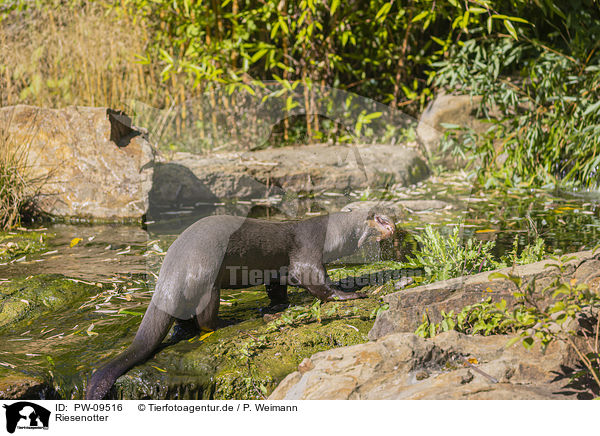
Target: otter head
<point x="378" y="227"/>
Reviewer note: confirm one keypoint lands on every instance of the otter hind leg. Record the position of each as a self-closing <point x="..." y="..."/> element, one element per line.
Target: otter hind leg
<point x="278" y="295"/>
<point x="184" y="329"/>
<point x="154" y="327"/>
<point x="207" y="318"/>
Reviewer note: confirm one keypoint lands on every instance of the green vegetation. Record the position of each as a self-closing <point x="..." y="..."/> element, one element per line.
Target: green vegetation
<point x="15" y="246"/>
<point x="564" y="311"/>
<point x="444" y="256"/>
<point x="535" y="64"/>
<point x="28" y="298"/>
<point x="17" y="187"/>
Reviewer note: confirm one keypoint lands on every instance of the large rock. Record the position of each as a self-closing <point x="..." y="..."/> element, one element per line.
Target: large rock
<point x="311" y="168"/>
<point x="458" y="110"/>
<point x="91" y="161"/>
<point x="405" y="366"/>
<point x="406" y="307"/>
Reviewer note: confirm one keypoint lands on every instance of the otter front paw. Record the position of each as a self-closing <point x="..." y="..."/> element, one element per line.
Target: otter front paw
<point x="341" y="296"/>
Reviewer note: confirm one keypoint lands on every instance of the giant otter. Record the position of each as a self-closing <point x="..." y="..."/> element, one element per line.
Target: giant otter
<point x="235" y="252"/>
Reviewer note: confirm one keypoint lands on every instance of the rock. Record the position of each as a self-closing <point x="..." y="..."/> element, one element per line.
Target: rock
<point x="423" y="205"/>
<point x="398" y="209"/>
<point x="406" y="307"/>
<point x="17" y="386"/>
<point x="389" y="208"/>
<point x="93" y="164"/>
<point x="405" y="366"/>
<point x="447" y="109"/>
<point x="311" y="168"/>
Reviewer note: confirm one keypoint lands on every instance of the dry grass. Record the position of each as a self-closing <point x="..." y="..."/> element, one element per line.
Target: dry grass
<point x="75" y="53"/>
<point x="61" y="55"/>
<point x="17" y="190"/>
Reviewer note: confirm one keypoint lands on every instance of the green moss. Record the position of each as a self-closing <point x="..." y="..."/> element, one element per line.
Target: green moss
<point x="26" y="299"/>
<point x="247" y="360"/>
<point x="15" y="245"/>
<point x="67" y="328"/>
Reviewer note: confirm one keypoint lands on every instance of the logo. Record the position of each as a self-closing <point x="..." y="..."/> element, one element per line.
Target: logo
<point x="26" y="415"/>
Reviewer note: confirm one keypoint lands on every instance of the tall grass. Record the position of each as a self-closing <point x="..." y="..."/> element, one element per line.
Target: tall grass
<point x="60" y="54"/>
<point x="17" y="188"/>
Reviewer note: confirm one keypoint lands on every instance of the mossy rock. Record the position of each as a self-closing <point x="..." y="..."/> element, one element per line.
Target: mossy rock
<point x="14" y="245"/>
<point x="247" y="360"/>
<point x="25" y="299"/>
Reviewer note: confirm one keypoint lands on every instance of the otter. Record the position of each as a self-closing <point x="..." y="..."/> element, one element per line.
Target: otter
<point x="229" y="252"/>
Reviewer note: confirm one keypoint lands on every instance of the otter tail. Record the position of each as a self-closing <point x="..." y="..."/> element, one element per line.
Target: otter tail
<point x="153" y="329"/>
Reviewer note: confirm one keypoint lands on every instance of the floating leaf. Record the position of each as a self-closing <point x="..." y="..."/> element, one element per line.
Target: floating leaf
<point x="130" y="312"/>
<point x="90" y="332"/>
<point x="74" y="242"/>
<point x="205" y="335"/>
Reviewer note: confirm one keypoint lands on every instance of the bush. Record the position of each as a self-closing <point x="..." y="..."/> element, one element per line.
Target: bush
<point x="540" y="94"/>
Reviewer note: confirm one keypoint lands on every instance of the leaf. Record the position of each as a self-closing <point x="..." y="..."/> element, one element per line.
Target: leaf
<point x="259" y="54"/>
<point x="90" y="332"/>
<point x="497" y="275"/>
<point x="485" y="231"/>
<point x="511" y="29"/>
<point x="75" y="241"/>
<point x="130" y="312"/>
<point x="420" y="16"/>
<point x="506" y="17"/>
<point x="334" y="6"/>
<point x="205" y="335"/>
<point x="159" y="369"/>
<point x="383" y="11"/>
<point x="513" y="341"/>
<point x="373" y="115"/>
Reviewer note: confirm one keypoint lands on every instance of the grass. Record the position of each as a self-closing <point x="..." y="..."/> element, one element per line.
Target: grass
<point x="16" y="192"/>
<point x="56" y="55"/>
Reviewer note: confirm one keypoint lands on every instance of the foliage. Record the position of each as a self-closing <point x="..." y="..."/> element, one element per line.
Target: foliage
<point x="540" y="95"/>
<point x="221" y="51"/>
<point x="531" y="253"/>
<point x="553" y="313"/>
<point x="536" y="66"/>
<point x="16" y="247"/>
<point x="485" y="318"/>
<point x="444" y="256"/>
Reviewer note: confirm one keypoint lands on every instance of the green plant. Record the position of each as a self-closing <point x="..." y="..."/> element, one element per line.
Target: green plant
<point x="553" y="313"/>
<point x="539" y="93"/>
<point x="531" y="253"/>
<point x="444" y="256"/>
<point x="485" y="318"/>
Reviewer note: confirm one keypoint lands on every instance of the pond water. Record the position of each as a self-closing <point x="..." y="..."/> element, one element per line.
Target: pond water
<point x="108" y="275"/>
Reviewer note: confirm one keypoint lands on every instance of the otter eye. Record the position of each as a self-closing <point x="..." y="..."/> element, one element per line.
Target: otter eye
<point x="380" y="220"/>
